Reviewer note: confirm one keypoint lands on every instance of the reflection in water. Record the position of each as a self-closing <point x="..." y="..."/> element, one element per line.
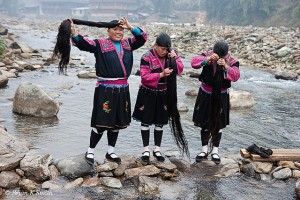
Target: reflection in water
<point x="33" y="125"/>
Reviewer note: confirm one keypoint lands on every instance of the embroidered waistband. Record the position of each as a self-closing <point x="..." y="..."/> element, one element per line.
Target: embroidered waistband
<point x="111" y="81"/>
<point x="208" y="89"/>
<point x="113" y="85"/>
<point x="154" y="90"/>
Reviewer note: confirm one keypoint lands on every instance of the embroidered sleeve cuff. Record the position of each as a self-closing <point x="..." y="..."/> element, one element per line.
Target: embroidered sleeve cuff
<point x="75" y="37"/>
<point x="204" y="63"/>
<point x="136" y="31"/>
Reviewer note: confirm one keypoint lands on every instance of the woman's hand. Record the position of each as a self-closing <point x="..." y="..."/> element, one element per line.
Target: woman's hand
<point x="212" y="58"/>
<point x="222" y="62"/>
<point x="166" y="72"/>
<point x="125" y="24"/>
<point x="73" y="28"/>
<point x="172" y="54"/>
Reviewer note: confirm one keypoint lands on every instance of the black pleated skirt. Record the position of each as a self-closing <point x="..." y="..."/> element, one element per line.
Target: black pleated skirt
<point x="151" y="107"/>
<point x="112" y="107"/>
<point x="202" y="109"/>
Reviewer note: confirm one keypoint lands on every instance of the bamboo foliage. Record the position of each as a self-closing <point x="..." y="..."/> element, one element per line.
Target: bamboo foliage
<point x="2" y="46"/>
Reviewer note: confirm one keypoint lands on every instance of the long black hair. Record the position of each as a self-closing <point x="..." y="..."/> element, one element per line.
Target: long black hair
<point x="62" y="47"/>
<point x="164" y="40"/>
<point x="173" y="113"/>
<point x="220" y="48"/>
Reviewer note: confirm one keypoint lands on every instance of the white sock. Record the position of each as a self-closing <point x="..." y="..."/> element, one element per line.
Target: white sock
<point x="146" y="148"/>
<point x="204" y="149"/>
<point x="215" y="150"/>
<point x="111" y="150"/>
<point x="146" y="151"/>
<point x="157" y="148"/>
<point x="90" y="152"/>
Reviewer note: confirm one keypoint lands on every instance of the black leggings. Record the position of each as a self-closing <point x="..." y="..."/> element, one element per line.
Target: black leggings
<point x="205" y="138"/>
<point x="146" y="135"/>
<point x="112" y="136"/>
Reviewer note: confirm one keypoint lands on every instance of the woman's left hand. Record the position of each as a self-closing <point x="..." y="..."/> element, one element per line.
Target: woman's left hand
<point x="125" y="24"/>
<point x="172" y="54"/>
<point x="222" y="62"/>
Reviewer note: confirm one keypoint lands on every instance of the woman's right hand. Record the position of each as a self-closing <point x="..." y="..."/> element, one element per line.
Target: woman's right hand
<point x="212" y="58"/>
<point x="166" y="72"/>
<point x="73" y="28"/>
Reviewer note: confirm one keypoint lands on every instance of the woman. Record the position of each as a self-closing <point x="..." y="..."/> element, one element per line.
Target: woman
<point x="151" y="107"/>
<point x="211" y="111"/>
<point x="114" y="60"/>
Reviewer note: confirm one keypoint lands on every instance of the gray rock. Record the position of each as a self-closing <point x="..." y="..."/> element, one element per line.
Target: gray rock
<point x="146" y="185"/>
<point x="29" y="186"/>
<point x="262" y="167"/>
<point x="286" y="76"/>
<point x="74" y="167"/>
<point x="109" y="166"/>
<point x="9" y="179"/>
<point x="283" y="173"/>
<point x="148" y="170"/>
<point x="12" y="150"/>
<point x="111" y="182"/>
<point x="31" y="100"/>
<point x="241" y="99"/>
<point x="181" y="165"/>
<point x="52" y="185"/>
<point x="3" y="81"/>
<point x="35" y="166"/>
<point x="23" y="46"/>
<point x="77" y="182"/>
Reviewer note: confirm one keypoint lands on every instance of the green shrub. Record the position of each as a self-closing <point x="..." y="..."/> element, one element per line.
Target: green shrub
<point x="2" y="46"/>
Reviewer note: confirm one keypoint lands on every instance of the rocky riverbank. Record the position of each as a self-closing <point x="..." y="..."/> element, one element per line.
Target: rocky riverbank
<point x="26" y="173"/>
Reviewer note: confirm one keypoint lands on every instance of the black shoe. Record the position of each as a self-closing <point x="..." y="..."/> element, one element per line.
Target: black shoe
<point x="116" y="159"/>
<point x="145" y="156"/>
<point x="256" y="150"/>
<point x="266" y="151"/>
<point x="89" y="160"/>
<point x="158" y="156"/>
<point x="199" y="157"/>
<point x="216" y="159"/>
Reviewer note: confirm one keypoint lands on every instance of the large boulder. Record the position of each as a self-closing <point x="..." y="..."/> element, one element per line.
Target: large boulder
<point x="31" y="100"/>
<point x="241" y="99"/>
<point x="25" y="48"/>
<point x="286" y="76"/>
<point x="74" y="167"/>
<point x="36" y="167"/>
<point x="3" y="81"/>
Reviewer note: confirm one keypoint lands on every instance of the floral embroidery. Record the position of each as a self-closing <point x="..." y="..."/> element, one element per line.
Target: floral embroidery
<point x="141" y="108"/>
<point x="126" y="106"/>
<point x="106" y="107"/>
<point x="165" y="107"/>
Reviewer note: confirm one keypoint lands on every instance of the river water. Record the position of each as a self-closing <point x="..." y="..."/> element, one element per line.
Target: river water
<point x="273" y="121"/>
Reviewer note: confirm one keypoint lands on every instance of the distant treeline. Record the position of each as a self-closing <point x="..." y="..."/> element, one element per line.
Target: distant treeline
<point x="245" y="12"/>
<point x="256" y="12"/>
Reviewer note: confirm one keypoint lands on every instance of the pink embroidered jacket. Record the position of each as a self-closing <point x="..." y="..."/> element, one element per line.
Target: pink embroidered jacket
<point x="151" y="67"/>
<point x="209" y="68"/>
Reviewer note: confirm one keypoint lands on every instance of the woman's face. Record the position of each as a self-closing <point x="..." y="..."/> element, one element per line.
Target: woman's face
<point x="161" y="51"/>
<point x="116" y="33"/>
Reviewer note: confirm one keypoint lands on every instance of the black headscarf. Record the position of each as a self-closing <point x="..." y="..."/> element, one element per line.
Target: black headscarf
<point x="62" y="47"/>
<point x="163" y="40"/>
